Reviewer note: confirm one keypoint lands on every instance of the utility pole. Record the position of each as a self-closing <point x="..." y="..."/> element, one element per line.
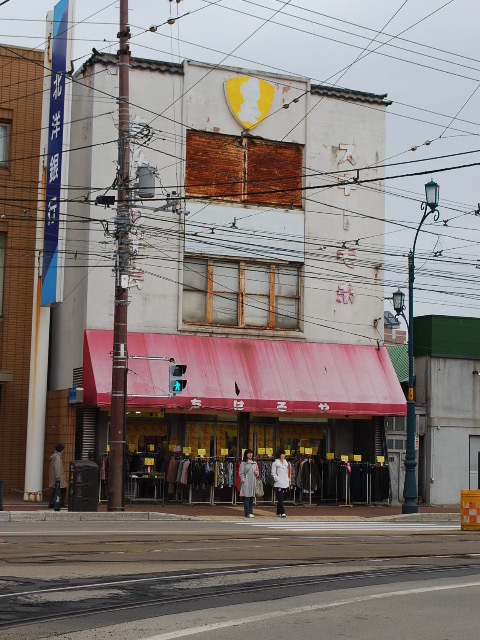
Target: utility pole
<point x="122" y="263"/>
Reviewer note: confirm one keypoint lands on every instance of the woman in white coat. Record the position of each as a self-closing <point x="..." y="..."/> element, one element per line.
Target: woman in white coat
<point x="248" y="473"/>
<point x="281" y="475"/>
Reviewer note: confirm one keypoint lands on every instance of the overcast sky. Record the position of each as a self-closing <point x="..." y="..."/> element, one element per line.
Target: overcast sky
<point x="429" y="71"/>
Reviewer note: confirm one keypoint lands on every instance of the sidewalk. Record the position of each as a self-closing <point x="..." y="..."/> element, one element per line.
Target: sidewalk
<point x="24" y="510"/>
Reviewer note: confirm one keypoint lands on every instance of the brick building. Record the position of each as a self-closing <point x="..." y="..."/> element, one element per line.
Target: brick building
<point x="393" y="333"/>
<point x="21" y="78"/>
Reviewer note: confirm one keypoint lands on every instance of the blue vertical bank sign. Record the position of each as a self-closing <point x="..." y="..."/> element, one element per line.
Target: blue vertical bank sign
<point x="50" y="265"/>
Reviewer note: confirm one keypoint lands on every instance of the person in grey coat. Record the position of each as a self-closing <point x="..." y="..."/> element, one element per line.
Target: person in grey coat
<point x="248" y="473"/>
<point x="57" y="473"/>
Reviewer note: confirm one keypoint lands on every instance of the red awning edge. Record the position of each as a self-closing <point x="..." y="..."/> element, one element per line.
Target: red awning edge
<point x="273" y="377"/>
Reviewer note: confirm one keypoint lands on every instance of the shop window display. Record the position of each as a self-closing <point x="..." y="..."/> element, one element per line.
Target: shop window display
<point x="200" y="437"/>
<point x="147" y="435"/>
<point x="227" y="439"/>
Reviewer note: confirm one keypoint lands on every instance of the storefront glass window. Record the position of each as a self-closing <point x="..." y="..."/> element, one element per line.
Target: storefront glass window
<point x="313" y="437"/>
<point x="200" y="436"/>
<point x="227" y="438"/>
<point x="289" y="437"/>
<point x="145" y="433"/>
<point x="264" y="438"/>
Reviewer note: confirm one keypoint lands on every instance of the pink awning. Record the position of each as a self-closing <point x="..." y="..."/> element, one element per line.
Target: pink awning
<point x="275" y="378"/>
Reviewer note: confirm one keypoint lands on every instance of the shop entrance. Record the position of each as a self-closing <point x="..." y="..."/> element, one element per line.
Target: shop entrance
<point x="194" y="458"/>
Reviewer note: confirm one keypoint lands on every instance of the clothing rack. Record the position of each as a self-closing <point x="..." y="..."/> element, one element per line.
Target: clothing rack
<point x="311" y="480"/>
<point x="343" y="485"/>
<point x="360" y="483"/>
<point x="233" y="499"/>
<point x="329" y="474"/>
<point x="379" y="483"/>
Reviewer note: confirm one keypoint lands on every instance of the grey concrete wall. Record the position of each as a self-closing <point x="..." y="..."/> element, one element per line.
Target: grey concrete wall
<point x="453" y="416"/>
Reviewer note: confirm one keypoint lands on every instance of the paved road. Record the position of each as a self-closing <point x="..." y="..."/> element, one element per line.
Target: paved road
<point x="148" y="579"/>
<point x="441" y="609"/>
<point x="434" y="604"/>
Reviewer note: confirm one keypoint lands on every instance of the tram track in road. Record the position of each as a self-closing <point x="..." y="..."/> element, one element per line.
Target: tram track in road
<point x="255" y="548"/>
<point x="165" y="594"/>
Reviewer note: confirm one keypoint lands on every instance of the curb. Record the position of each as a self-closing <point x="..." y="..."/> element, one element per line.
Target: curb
<point x="421" y="517"/>
<point x="142" y="516"/>
<point x="68" y="516"/>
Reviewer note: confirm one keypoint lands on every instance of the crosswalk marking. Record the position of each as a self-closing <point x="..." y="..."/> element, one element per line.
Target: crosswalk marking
<point x="349" y="525"/>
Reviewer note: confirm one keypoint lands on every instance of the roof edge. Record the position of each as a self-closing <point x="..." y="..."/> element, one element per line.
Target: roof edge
<point x="110" y="59"/>
<point x="349" y="94"/>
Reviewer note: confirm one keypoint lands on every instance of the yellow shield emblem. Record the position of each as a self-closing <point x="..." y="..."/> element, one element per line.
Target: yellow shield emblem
<point x="249" y="99"/>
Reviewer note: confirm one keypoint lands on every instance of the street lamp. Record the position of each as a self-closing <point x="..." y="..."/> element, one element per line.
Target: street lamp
<point x="399" y="303"/>
<point x="432" y="192"/>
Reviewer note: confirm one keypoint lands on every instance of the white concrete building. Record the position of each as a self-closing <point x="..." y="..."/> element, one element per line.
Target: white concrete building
<point x="271" y="250"/>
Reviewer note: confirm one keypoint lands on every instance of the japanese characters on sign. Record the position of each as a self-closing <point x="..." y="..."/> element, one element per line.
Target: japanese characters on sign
<point x="345" y="183"/>
<point x="345" y="293"/>
<point x="349" y="153"/>
<point x="50" y="293"/>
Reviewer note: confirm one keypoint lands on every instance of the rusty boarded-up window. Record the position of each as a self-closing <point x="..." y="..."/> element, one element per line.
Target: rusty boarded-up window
<point x="274" y="173"/>
<point x="214" y="166"/>
<point x="250" y="171"/>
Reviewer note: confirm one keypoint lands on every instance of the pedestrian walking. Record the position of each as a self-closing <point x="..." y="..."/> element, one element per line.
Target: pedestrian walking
<point x="281" y="475"/>
<point x="248" y="473"/>
<point x="57" y="473"/>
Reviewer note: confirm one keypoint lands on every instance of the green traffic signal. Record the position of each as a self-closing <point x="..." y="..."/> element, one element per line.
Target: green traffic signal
<point x="177" y="383"/>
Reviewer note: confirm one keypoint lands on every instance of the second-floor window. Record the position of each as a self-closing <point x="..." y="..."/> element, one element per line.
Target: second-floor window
<point x="248" y="170"/>
<point x="241" y="294"/>
<point x="4" y="143"/>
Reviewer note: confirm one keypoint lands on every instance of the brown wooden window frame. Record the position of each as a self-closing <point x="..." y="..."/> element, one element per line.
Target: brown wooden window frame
<point x="213" y="291"/>
<point x="245" y="170"/>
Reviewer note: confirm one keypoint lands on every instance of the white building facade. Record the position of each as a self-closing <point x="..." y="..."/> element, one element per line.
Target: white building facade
<point x="266" y="278"/>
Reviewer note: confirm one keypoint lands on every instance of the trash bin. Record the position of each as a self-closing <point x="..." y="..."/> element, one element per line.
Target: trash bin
<point x="470" y="510"/>
<point x="83" y="486"/>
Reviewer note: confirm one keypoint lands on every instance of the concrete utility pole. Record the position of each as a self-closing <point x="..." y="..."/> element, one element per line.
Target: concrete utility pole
<point x="122" y="236"/>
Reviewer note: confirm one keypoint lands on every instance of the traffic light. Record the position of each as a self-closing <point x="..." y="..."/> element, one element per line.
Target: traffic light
<point x="176" y="381"/>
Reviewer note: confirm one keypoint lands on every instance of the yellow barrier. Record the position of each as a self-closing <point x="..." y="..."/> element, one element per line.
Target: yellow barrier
<point x="470" y="510"/>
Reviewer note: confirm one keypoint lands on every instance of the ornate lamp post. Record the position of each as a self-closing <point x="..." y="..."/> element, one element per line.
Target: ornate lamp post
<point x="432" y="191"/>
